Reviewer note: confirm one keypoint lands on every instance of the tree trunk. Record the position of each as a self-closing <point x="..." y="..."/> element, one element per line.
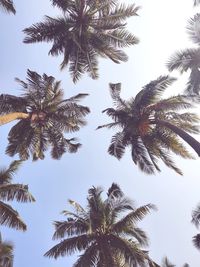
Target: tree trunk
<point x="13" y="116"/>
<point x="185" y="136"/>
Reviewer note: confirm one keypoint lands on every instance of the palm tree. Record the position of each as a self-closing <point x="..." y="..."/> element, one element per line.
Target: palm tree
<point x="189" y="59"/>
<point x="151" y="126"/>
<point x="87" y="29"/>
<point x="8" y="6"/>
<point x="105" y="237"/>
<point x="43" y="117"/>
<point x="10" y="192"/>
<point x="6" y="253"/>
<point x="196" y="222"/>
<point x="167" y="263"/>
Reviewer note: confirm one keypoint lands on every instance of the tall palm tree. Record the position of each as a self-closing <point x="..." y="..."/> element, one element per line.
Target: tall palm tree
<point x="86" y="30"/>
<point x="102" y="232"/>
<point x="8" y="6"/>
<point x="10" y="192"/>
<point x="151" y="126"/>
<point x="188" y="60"/>
<point x="196" y="222"/>
<point x="43" y="117"/>
<point x="167" y="263"/>
<point x="6" y="253"/>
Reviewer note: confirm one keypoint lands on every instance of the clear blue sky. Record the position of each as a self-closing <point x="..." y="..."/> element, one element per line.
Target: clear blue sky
<point x="161" y="30"/>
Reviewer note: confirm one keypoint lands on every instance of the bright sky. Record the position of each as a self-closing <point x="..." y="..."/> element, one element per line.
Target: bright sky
<point x="161" y="30"/>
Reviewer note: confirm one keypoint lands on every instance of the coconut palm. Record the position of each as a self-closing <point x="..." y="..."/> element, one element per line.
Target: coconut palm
<point x="151" y="126"/>
<point x="167" y="263"/>
<point x="8" y="6"/>
<point x="6" y="253"/>
<point x="87" y="29"/>
<point x="43" y="117"/>
<point x="105" y="236"/>
<point x="10" y="192"/>
<point x="196" y="222"/>
<point x="188" y="60"/>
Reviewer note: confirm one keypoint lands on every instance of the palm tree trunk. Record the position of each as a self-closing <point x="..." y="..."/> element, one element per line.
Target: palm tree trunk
<point x="13" y="116"/>
<point x="185" y="136"/>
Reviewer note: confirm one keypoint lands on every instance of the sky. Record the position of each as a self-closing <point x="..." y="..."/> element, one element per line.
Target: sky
<point x="160" y="27"/>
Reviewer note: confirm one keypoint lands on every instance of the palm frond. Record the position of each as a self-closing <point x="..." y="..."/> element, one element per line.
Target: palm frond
<point x="168" y="161"/>
<point x="196" y="216"/>
<point x="8" y="6"/>
<point x="69" y="228"/>
<point x="18" y="192"/>
<point x="140" y="156"/>
<point x="152" y="92"/>
<point x="117" y="146"/>
<point x="133" y="217"/>
<point x="193" y="28"/>
<point x="122" y="12"/>
<point x="69" y="246"/>
<point x="9" y="217"/>
<point x="89" y="258"/>
<point x="196" y="241"/>
<point x="184" y="60"/>
<point x="10" y="103"/>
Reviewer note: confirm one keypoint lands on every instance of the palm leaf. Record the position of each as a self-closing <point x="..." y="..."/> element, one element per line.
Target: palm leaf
<point x="69" y="246"/>
<point x="10" y="217"/>
<point x="18" y="192"/>
<point x="117" y="147"/>
<point x="8" y="6"/>
<point x="196" y="241"/>
<point x="193" y="28"/>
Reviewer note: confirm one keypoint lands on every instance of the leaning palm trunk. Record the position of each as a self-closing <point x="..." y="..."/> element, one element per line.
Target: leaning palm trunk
<point x="13" y="116"/>
<point x="185" y="136"/>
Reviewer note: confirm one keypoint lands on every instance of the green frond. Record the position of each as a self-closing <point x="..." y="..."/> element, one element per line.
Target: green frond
<point x="117" y="146"/>
<point x="193" y="28"/>
<point x="119" y="38"/>
<point x="140" y="156"/>
<point x="10" y="103"/>
<point x="122" y="12"/>
<point x="108" y="125"/>
<point x="196" y="216"/>
<point x="89" y="258"/>
<point x="45" y="31"/>
<point x="137" y="234"/>
<point x="63" y="4"/>
<point x="164" y="155"/>
<point x="133" y="217"/>
<point x="193" y="84"/>
<point x="69" y="228"/>
<point x="152" y="92"/>
<point x="18" y="192"/>
<point x="184" y="60"/>
<point x="8" y="6"/>
<point x="6" y="254"/>
<point x="9" y="217"/>
<point x="114" y="191"/>
<point x="196" y="241"/>
<point x="130" y="250"/>
<point x="69" y="246"/>
<point x="76" y="65"/>
<point x="177" y="102"/>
